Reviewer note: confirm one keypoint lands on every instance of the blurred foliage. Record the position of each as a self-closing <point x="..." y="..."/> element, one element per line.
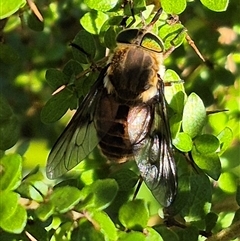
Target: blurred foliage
<point x="36" y="59"/>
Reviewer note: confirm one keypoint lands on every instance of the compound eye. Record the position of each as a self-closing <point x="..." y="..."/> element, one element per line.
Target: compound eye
<point x="127" y="36"/>
<point x="152" y="42"/>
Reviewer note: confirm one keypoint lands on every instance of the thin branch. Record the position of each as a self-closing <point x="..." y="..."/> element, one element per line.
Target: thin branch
<point x="227" y="234"/>
<point x="35" y="10"/>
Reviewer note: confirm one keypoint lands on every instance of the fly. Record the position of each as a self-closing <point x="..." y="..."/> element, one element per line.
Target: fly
<point x="125" y="115"/>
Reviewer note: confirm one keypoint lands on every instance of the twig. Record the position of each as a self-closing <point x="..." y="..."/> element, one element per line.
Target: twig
<point x="227" y="234"/>
<point x="35" y="10"/>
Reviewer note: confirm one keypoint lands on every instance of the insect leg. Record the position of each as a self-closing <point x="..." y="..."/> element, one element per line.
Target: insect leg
<point x="140" y="181"/>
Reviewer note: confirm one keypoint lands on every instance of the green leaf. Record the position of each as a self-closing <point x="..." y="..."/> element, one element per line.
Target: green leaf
<point x="33" y="186"/>
<point x="199" y="198"/>
<point x="101" y="5"/>
<point x="44" y="211"/>
<point x="126" y="179"/>
<point x="34" y="23"/>
<point x="55" y="78"/>
<point x="9" y="132"/>
<point x="110" y="37"/>
<point x="175" y="124"/>
<point x="228" y="182"/>
<point x="194" y="115"/>
<point x="84" y="84"/>
<point x="64" y="230"/>
<point x="174" y="93"/>
<point x="5" y="110"/>
<point x="171" y="76"/>
<point x="7" y="8"/>
<point x="72" y="69"/>
<point x="236" y="216"/>
<point x="16" y="222"/>
<point x="167" y="234"/>
<point x="173" y="7"/>
<point x="10" y="172"/>
<point x="176" y="98"/>
<point x="225" y="77"/>
<point x="225" y="138"/>
<point x="87" y="231"/>
<point x="36" y="179"/>
<point x="238" y="195"/>
<point x="206" y="143"/>
<point x="183" y="194"/>
<point x="85" y="50"/>
<point x="152" y="234"/>
<point x="9" y="126"/>
<point x="137" y="6"/>
<point x="37" y="228"/>
<point x="104" y="223"/>
<point x="57" y="106"/>
<point x="134" y="215"/>
<point x="210" y="221"/>
<point x="216" y="5"/>
<point x="100" y="194"/>
<point x="65" y="198"/>
<point x="28" y="191"/>
<point x="8" y="204"/>
<point x="8" y="55"/>
<point x="93" y="21"/>
<point x="172" y="35"/>
<point x="208" y="162"/>
<point x="190" y="233"/>
<point x="133" y="235"/>
<point x="183" y="142"/>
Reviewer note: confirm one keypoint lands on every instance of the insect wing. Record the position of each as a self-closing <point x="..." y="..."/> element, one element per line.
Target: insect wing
<point x="79" y="137"/>
<point x="157" y="168"/>
<point x="154" y="155"/>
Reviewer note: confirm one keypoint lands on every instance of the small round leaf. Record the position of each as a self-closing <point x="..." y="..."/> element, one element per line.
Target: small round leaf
<point x="65" y="198"/>
<point x="84" y="48"/>
<point x="174" y="7"/>
<point x="10" y="7"/>
<point x="216" y="5"/>
<point x="100" y="194"/>
<point x="16" y="222"/>
<point x="105" y="224"/>
<point x="11" y="172"/>
<point x="134" y="215"/>
<point x="8" y="204"/>
<point x="57" y="106"/>
<point x="206" y="143"/>
<point x="55" y="78"/>
<point x="210" y="221"/>
<point x="183" y="142"/>
<point x="93" y="21"/>
<point x="228" y="182"/>
<point x="101" y="5"/>
<point x="225" y="138"/>
<point x="208" y="162"/>
<point x="194" y="115"/>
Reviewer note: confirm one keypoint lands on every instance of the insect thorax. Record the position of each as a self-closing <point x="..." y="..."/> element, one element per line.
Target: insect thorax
<point x="133" y="73"/>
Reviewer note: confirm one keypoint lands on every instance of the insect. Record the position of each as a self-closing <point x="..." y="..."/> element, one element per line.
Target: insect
<point x="125" y="115"/>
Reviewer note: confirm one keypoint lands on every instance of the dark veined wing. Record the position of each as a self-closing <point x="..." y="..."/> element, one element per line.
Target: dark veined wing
<point x="79" y="137"/>
<point x="153" y="153"/>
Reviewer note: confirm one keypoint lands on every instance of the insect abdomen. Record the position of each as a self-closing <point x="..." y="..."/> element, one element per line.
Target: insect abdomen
<point x="111" y="125"/>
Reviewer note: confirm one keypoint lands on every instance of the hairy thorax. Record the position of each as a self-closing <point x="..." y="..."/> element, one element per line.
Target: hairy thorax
<point x="133" y="73"/>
